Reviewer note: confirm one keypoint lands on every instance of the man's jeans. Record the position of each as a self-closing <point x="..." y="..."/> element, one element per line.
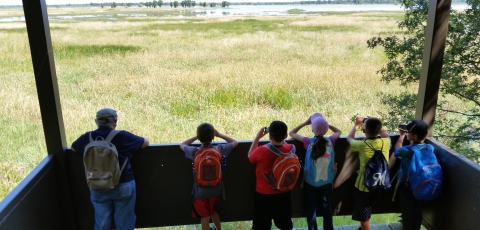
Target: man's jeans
<point x="119" y="203"/>
<point x="323" y="193"/>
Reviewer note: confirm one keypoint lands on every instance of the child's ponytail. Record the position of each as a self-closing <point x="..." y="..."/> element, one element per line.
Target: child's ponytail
<point x="319" y="147"/>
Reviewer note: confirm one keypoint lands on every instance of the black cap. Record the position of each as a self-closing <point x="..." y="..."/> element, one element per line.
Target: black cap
<point x="278" y="128"/>
<point x="417" y="127"/>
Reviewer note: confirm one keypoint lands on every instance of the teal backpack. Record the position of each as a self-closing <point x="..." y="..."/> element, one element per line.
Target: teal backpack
<point x="321" y="171"/>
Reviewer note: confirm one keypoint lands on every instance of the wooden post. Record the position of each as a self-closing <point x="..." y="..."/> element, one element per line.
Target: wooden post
<point x="432" y="62"/>
<point x="38" y="29"/>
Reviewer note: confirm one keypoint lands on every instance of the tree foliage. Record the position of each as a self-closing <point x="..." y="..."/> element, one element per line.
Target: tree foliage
<point x="225" y="4"/>
<point x="457" y="123"/>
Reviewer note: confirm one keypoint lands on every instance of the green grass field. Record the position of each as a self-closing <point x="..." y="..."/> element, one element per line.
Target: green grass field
<point x="166" y="75"/>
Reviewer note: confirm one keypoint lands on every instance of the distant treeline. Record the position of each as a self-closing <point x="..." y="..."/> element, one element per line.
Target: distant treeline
<point x="113" y="4"/>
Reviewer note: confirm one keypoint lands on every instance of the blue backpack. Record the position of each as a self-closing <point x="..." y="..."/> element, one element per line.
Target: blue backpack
<point x="322" y="170"/>
<point x="377" y="177"/>
<point x="424" y="173"/>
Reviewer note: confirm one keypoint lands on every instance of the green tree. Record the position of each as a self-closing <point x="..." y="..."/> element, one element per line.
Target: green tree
<point x="457" y="122"/>
<point x="213" y="4"/>
<point x="175" y="4"/>
<point x="154" y="4"/>
<point x="225" y="4"/>
<point x="113" y="5"/>
<point x="160" y="3"/>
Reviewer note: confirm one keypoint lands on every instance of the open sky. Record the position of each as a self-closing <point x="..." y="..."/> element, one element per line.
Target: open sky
<point x="55" y="2"/>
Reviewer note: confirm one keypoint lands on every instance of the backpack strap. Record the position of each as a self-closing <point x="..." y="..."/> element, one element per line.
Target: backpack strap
<point x="274" y="149"/>
<point x="109" y="139"/>
<point x="371" y="146"/>
<point x="90" y="136"/>
<point x="111" y="135"/>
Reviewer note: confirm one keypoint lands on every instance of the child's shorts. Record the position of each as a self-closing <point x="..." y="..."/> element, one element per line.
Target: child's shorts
<point x="272" y="206"/>
<point x="204" y="207"/>
<point x="362" y="208"/>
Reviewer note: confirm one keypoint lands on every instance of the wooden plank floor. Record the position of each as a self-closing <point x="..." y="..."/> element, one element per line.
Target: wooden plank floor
<point x="392" y="226"/>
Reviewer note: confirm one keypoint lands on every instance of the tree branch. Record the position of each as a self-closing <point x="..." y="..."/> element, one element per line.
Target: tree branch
<point x="451" y="111"/>
<point x="461" y="95"/>
<point x="461" y="137"/>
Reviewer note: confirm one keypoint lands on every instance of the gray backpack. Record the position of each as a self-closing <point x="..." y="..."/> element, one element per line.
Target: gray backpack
<point x="100" y="159"/>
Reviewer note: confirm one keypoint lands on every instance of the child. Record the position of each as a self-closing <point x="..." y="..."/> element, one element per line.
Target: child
<point x="416" y="131"/>
<point x="269" y="203"/>
<point x="205" y="199"/>
<point x="319" y="146"/>
<point x="372" y="127"/>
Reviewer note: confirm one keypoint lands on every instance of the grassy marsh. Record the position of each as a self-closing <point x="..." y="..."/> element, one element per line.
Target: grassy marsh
<point x="166" y="75"/>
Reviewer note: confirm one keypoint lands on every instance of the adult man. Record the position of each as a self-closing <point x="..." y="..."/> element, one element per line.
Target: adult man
<point x="119" y="201"/>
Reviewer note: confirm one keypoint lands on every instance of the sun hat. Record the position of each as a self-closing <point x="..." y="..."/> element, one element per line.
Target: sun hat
<point x="319" y="124"/>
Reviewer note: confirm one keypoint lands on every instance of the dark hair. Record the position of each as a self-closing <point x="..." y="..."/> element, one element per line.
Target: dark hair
<point x="278" y="130"/>
<point x="421" y="136"/>
<point x="205" y="132"/>
<point x="372" y="126"/>
<point x="319" y="147"/>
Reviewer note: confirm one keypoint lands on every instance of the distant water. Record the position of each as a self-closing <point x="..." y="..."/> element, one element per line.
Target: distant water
<point x="268" y="10"/>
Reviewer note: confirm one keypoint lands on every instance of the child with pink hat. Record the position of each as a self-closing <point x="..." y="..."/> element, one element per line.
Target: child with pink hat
<point x="319" y="168"/>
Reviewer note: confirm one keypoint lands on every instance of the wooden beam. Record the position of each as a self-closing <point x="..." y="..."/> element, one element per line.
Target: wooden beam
<point x="432" y="62"/>
<point x="38" y="29"/>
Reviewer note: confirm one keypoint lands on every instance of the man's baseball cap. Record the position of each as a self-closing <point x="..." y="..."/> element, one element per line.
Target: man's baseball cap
<point x="417" y="127"/>
<point x="105" y="115"/>
<point x="319" y="124"/>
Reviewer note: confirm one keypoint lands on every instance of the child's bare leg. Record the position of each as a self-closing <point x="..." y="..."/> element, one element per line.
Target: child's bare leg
<point x="205" y="223"/>
<point x="216" y="220"/>
<point x="365" y="225"/>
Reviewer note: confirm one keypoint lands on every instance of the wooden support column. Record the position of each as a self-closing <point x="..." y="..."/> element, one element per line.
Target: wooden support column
<point x="432" y="62"/>
<point x="38" y="30"/>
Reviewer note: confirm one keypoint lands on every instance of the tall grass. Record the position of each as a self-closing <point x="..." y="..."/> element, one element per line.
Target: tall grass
<point x="166" y="75"/>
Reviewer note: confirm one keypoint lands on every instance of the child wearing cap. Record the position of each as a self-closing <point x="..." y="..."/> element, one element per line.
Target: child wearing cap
<point x="206" y="199"/>
<point x="269" y="203"/>
<point x="372" y="127"/>
<point x="416" y="131"/>
<point x="320" y="146"/>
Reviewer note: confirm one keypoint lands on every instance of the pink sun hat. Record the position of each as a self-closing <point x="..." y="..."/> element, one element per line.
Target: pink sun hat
<point x="319" y="124"/>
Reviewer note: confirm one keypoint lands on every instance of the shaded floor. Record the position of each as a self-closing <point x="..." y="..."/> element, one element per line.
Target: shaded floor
<point x="392" y="226"/>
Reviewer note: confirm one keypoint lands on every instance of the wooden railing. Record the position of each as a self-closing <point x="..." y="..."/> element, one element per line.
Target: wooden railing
<point x="164" y="181"/>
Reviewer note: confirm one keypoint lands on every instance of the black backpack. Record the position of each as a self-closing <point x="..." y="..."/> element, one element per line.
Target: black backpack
<point x="377" y="177"/>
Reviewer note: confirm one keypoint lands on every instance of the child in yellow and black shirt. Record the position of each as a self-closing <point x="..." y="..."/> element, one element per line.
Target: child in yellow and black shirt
<point x="372" y="127"/>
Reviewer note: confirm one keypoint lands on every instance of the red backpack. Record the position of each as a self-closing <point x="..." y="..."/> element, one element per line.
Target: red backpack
<point x="207" y="167"/>
<point x="285" y="169"/>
